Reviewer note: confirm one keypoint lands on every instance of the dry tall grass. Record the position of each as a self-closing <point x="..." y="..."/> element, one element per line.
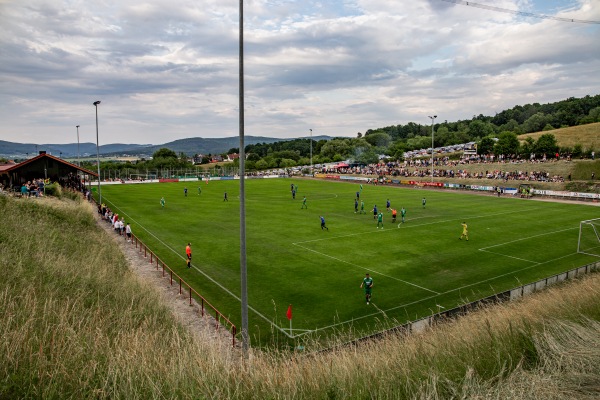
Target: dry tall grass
<point x="588" y="136"/>
<point x="77" y="324"/>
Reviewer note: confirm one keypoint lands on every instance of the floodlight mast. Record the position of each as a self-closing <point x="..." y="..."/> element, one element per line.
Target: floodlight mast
<point x="78" y="160"/>
<point x="311" y="162"/>
<point x="432" y="120"/>
<point x="98" y="154"/>
<point x="243" y="263"/>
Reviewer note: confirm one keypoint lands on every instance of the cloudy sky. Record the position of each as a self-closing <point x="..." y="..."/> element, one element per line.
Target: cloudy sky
<point x="168" y="69"/>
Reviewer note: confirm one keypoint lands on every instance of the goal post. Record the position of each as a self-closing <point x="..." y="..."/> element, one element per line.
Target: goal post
<point x="589" y="237"/>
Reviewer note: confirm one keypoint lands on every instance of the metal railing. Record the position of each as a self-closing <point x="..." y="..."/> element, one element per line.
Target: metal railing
<point x="190" y="292"/>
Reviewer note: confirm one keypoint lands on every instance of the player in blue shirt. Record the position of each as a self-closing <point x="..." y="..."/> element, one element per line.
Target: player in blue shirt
<point x="323" y="223"/>
<point x="375" y="212"/>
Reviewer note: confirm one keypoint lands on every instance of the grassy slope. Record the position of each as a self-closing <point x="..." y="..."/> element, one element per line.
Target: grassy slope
<point x="76" y="324"/>
<point x="587" y="136"/>
<point x="321" y="272"/>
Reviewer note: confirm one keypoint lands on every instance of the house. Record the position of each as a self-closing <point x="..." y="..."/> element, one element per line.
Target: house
<point x="232" y="156"/>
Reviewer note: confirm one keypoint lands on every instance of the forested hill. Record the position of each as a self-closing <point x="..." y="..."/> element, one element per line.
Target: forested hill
<point x="519" y="119"/>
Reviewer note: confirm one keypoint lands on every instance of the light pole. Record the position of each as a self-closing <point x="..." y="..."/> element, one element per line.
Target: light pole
<point x="78" y="160"/>
<point x="432" y="120"/>
<point x="311" y="164"/>
<point x="98" y="154"/>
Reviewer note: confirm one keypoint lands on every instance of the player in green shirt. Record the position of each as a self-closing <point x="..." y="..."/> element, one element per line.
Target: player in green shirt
<point x="162" y="202"/>
<point x="362" y="207"/>
<point x="403" y="214"/>
<point x="380" y="220"/>
<point x="304" y="203"/>
<point x="367" y="283"/>
<point x="199" y="190"/>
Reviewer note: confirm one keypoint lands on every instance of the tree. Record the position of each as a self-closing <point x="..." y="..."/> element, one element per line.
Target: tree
<point x="546" y="144"/>
<point x="507" y="144"/>
<point x="335" y="146"/>
<point x="535" y="123"/>
<point x="233" y="150"/>
<point x="527" y="146"/>
<point x="287" y="163"/>
<point x="261" y="164"/>
<point x="486" y="146"/>
<point x="479" y="129"/>
<point x="378" y="139"/>
<point x="164" y="153"/>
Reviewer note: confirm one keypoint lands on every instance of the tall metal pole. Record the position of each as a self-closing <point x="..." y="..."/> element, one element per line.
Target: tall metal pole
<point x="78" y="160"/>
<point x="311" y="163"/>
<point x="98" y="153"/>
<point x="432" y="119"/>
<point x="243" y="271"/>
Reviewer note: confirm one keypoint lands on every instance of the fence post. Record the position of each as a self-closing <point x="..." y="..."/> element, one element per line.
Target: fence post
<point x="180" y="286"/>
<point x="233" y="333"/>
<point x="171" y="277"/>
<point x="190" y="296"/>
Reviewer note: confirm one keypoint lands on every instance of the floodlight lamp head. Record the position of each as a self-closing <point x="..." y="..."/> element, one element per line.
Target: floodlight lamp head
<point x="96" y="103"/>
<point x="76" y="126"/>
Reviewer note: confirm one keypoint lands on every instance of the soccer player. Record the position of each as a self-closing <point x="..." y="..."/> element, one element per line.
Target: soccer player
<point x="225" y="197"/>
<point x="367" y="283"/>
<point x="357" y="195"/>
<point x="387" y="205"/>
<point x="362" y="207"/>
<point x="394" y="214"/>
<point x="293" y="194"/>
<point x="185" y="191"/>
<point x="380" y="220"/>
<point x="304" y="203"/>
<point x="403" y="214"/>
<point x="199" y="190"/>
<point x="375" y="212"/>
<point x="188" y="253"/>
<point x="465" y="232"/>
<point x="355" y="206"/>
<point x="323" y="223"/>
<point x="162" y="202"/>
<point x="424" y="201"/>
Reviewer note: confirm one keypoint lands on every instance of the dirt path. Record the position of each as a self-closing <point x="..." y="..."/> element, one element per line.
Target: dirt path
<point x="190" y="316"/>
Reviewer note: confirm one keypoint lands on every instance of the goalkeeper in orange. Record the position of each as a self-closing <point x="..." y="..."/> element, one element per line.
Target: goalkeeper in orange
<point x="465" y="233"/>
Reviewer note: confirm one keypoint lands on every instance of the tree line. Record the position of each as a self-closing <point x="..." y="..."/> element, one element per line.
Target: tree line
<point x="493" y="134"/>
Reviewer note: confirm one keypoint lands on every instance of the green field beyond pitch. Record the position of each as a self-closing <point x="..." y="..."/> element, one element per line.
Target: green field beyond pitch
<point x="418" y="268"/>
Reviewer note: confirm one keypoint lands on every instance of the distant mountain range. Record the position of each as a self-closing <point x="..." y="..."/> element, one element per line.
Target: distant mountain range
<point x="189" y="146"/>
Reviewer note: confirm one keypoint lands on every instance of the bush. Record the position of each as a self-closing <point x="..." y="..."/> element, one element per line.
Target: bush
<point x="53" y="189"/>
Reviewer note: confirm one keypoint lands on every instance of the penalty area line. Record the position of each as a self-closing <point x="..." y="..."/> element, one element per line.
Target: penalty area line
<point x="367" y="269"/>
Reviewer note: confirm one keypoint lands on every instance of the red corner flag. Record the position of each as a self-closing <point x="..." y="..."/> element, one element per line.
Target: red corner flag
<point x="289" y="312"/>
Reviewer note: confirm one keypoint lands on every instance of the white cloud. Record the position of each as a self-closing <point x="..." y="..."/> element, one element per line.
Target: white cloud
<point x="168" y="70"/>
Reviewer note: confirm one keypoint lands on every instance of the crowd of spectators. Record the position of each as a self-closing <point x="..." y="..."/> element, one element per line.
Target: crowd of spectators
<point x="444" y="167"/>
<point x="117" y="224"/>
<point x="33" y="188"/>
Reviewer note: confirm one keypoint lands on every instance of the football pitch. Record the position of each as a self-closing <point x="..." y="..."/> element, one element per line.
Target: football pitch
<point x="419" y="267"/>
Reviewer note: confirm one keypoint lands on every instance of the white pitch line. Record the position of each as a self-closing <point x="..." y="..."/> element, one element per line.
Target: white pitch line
<point x="528" y="237"/>
<point x="203" y="273"/>
<point x="366" y="269"/>
<point x="506" y="255"/>
<point x="431" y="297"/>
<point x="409" y="226"/>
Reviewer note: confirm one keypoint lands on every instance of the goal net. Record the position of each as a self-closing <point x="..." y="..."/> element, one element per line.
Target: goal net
<point x="589" y="237"/>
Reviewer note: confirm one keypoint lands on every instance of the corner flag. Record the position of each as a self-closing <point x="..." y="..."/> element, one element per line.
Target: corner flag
<point x="289" y="313"/>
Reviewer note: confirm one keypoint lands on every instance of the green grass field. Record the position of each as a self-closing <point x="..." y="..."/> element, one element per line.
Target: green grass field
<point x="418" y="268"/>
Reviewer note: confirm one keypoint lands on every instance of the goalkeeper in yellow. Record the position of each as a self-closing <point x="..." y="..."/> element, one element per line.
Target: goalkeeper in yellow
<point x="465" y="233"/>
